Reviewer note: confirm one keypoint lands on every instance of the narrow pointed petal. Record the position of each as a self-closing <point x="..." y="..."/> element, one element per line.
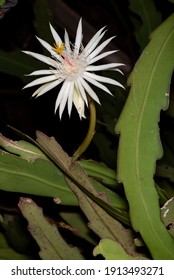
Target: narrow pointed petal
<point x="100" y="48"/>
<point x="60" y="96"/>
<point x="93" y="39"/>
<point x="108" y="66"/>
<point x="118" y="70"/>
<point x="56" y="37"/>
<point x="67" y="42"/>
<point x="38" y="90"/>
<point x="79" y="104"/>
<point x="64" y="99"/>
<point x="95" y="43"/>
<point x="42" y="72"/>
<point x="47" y="46"/>
<point x="81" y="90"/>
<point x="89" y="90"/>
<point x="102" y="55"/>
<point x="103" y="79"/>
<point x="78" y="39"/>
<point x="47" y="87"/>
<point x="70" y="98"/>
<point x="97" y="84"/>
<point x="42" y="58"/>
<point x="41" y="81"/>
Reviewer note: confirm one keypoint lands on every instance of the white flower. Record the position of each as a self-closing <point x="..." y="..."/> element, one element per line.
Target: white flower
<point x="73" y="66"/>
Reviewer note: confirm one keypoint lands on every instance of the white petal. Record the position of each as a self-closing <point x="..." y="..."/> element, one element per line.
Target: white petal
<point x="44" y="88"/>
<point x="89" y="90"/>
<point x="118" y="70"/>
<point x="60" y="95"/>
<point x="102" y="79"/>
<point x="94" y="39"/>
<point x="42" y="72"/>
<point x="67" y="42"/>
<point x="108" y="66"/>
<point x="78" y="39"/>
<point x="102" y="55"/>
<point x="41" y="57"/>
<point x="42" y="80"/>
<point x="38" y="90"/>
<point x="79" y="104"/>
<point x="64" y="99"/>
<point x="47" y="46"/>
<point x="89" y="50"/>
<point x="97" y="84"/>
<point x="70" y="97"/>
<point x="100" y="48"/>
<point x="56" y="37"/>
<point x="81" y="90"/>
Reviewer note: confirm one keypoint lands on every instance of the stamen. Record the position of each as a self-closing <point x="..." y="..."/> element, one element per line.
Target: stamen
<point x="59" y="48"/>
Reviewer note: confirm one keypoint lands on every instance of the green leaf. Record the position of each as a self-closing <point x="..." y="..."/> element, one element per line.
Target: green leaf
<point x="74" y="171"/>
<point x="22" y="148"/>
<point x="150" y="17"/>
<point x="102" y="223"/>
<point x="111" y="250"/>
<point x="31" y="152"/>
<point x="111" y="197"/>
<point x="51" y="243"/>
<point x="2" y="2"/>
<point x="100" y="172"/>
<point x="40" y="177"/>
<point x="107" y="176"/>
<point x="140" y="145"/>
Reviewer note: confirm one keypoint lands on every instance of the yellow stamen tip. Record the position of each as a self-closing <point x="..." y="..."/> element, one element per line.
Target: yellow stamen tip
<point x="59" y="48"/>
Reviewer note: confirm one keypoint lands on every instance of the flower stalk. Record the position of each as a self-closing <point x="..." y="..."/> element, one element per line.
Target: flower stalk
<point x="91" y="130"/>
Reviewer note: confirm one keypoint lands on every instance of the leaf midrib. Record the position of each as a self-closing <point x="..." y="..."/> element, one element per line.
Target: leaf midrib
<point x="34" y="177"/>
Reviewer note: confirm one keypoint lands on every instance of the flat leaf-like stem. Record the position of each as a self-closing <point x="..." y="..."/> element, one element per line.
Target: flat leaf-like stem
<point x="74" y="171"/>
<point x="111" y="250"/>
<point x="150" y="19"/>
<point x="94" y="208"/>
<point x="52" y="245"/>
<point x="24" y="161"/>
<point x="140" y="144"/>
<point x="24" y="168"/>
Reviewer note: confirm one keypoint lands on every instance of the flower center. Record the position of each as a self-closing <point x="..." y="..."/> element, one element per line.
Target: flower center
<point x="72" y="65"/>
